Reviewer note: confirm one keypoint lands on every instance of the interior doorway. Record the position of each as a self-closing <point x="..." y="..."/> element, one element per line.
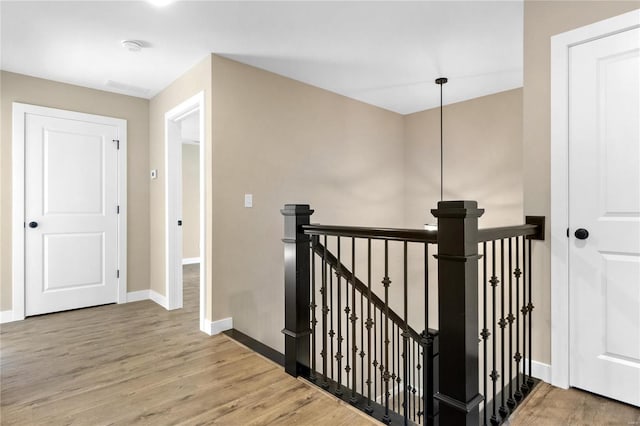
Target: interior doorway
<point x="185" y="201"/>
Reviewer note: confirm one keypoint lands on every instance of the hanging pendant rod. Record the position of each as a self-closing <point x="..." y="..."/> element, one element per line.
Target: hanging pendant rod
<point x="441" y="81"/>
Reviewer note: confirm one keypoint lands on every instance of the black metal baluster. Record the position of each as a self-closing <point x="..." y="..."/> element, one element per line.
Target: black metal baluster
<point x="517" y="357"/>
<point x="312" y="306"/>
<point x="370" y="323"/>
<point x="332" y="332"/>
<point x="347" y="310"/>
<point x="427" y="378"/>
<point x="339" y="317"/>
<point x="325" y="312"/>
<point x="503" y="324"/>
<point x="405" y="340"/>
<point x="353" y="318"/>
<point x="511" y="402"/>
<point x="523" y="387"/>
<point x="494" y="373"/>
<point x="362" y="353"/>
<point x="530" y="310"/>
<point x="414" y="381"/>
<point x="394" y="398"/>
<point x="485" y="331"/>
<point x="386" y="376"/>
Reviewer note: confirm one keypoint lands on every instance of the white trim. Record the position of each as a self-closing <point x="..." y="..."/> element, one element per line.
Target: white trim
<point x="560" y="45"/>
<point x="190" y="260"/>
<point x="18" y="220"/>
<point x="173" y="203"/>
<point x="216" y="327"/>
<point x="539" y="370"/>
<point x="7" y="316"/>
<point x="136" y="296"/>
<point x="158" y="298"/>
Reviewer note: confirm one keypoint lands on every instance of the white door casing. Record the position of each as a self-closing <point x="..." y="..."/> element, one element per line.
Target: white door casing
<point x="604" y="199"/>
<point x="69" y="219"/>
<point x="595" y="184"/>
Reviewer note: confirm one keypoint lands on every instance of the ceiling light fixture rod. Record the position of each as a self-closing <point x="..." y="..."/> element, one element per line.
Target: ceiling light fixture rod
<point x="441" y="81"/>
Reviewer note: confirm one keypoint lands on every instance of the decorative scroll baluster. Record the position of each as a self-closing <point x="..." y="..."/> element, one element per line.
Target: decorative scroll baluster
<point x="312" y="307"/>
<point x="530" y="310"/>
<point x="370" y="323"/>
<point x="339" y="318"/>
<point x="523" y="387"/>
<point x="332" y="332"/>
<point x="386" y="376"/>
<point x="511" y="402"/>
<point x="362" y="353"/>
<point x="325" y="312"/>
<point x="494" y="373"/>
<point x="427" y="376"/>
<point x="405" y="340"/>
<point x="394" y="350"/>
<point x="517" y="357"/>
<point x="503" y="324"/>
<point x="485" y="331"/>
<point x="353" y="318"/>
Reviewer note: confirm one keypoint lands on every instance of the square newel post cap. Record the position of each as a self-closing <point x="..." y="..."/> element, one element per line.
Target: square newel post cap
<point x="296" y="210"/>
<point x="457" y="209"/>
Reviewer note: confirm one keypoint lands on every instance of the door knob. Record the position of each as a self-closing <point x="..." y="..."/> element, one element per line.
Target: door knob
<point x="581" y="234"/>
<point x="33" y="224"/>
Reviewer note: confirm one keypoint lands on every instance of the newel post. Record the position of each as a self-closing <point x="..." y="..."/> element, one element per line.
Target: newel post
<point x="296" y="289"/>
<point x="457" y="256"/>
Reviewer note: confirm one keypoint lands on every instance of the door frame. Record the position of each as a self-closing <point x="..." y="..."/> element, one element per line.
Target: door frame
<point x="173" y="199"/>
<point x="18" y="197"/>
<point x="560" y="297"/>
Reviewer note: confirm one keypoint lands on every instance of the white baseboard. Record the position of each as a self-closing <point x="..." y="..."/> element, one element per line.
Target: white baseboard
<point x="6" y="316"/>
<point x="136" y="296"/>
<point x="215" y="327"/>
<point x="190" y="260"/>
<point x="158" y="298"/>
<point x="539" y="370"/>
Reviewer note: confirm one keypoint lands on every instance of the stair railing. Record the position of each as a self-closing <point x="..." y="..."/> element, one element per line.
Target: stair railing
<point x="341" y="335"/>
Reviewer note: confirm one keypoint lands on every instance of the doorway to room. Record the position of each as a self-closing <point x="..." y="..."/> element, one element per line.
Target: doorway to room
<point x="185" y="257"/>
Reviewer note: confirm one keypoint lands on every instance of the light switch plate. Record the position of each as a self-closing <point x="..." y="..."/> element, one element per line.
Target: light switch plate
<point x="248" y="200"/>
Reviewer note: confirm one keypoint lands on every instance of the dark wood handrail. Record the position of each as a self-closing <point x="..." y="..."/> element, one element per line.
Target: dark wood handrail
<point x="499" y="233"/>
<point x="362" y="287"/>
<point x="394" y="234"/>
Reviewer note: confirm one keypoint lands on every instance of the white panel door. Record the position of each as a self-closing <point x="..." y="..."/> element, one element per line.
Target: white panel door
<point x="604" y="200"/>
<point x="71" y="222"/>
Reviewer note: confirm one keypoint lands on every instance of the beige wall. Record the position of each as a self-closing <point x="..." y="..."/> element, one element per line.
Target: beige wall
<point x="287" y="142"/>
<point x="190" y="201"/>
<point x="196" y="80"/>
<point x="24" y="89"/>
<point x="543" y="19"/>
<point x="482" y="158"/>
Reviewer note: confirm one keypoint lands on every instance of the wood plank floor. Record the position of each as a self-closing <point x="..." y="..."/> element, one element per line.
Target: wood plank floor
<point x="137" y="363"/>
<point x="140" y="364"/>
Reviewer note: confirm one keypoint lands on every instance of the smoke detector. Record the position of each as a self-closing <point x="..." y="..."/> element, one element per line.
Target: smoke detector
<point x="132" y="45"/>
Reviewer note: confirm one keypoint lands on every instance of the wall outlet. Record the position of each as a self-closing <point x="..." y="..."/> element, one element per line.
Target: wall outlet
<point x="248" y="200"/>
<point x="154" y="174"/>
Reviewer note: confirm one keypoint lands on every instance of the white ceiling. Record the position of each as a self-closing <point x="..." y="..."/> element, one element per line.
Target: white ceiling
<point x="385" y="53"/>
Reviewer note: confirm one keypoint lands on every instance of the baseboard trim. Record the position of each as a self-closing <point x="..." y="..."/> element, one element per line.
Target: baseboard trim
<point x="256" y="346"/>
<point x="539" y="370"/>
<point x="190" y="260"/>
<point x="158" y="298"/>
<point x="216" y="327"/>
<point x="136" y="296"/>
<point x="6" y="316"/>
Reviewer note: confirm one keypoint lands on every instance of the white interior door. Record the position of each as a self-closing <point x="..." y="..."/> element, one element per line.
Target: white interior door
<point x="71" y="214"/>
<point x="604" y="200"/>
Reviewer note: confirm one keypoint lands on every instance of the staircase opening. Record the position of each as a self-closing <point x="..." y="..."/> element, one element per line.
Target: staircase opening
<point x="413" y="326"/>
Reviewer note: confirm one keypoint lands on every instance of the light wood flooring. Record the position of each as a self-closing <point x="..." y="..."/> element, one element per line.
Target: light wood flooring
<point x="137" y="363"/>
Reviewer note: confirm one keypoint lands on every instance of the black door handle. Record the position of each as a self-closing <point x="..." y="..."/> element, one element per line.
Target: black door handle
<point x="33" y="224"/>
<point x="581" y="234"/>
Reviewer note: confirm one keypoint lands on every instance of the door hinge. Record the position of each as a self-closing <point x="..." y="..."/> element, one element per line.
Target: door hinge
<point x="117" y="209"/>
<point x="118" y="273"/>
<point x="117" y="141"/>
